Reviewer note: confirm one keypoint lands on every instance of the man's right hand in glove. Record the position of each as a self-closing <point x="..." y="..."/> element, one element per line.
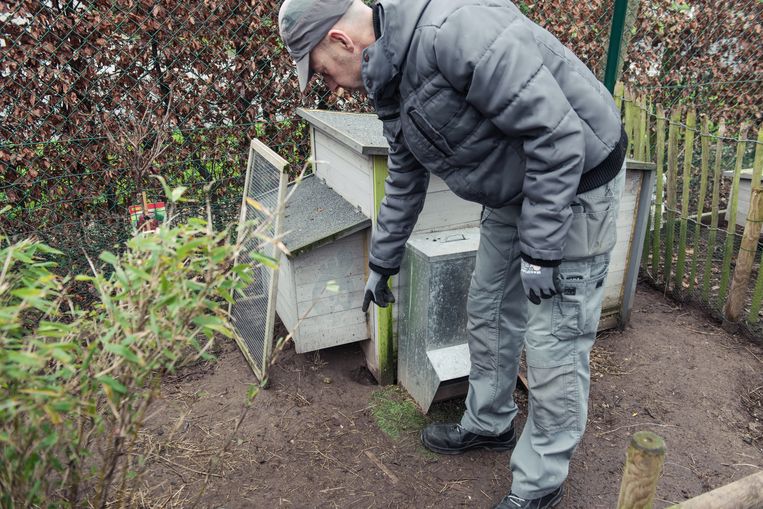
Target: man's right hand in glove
<point x="377" y="290"/>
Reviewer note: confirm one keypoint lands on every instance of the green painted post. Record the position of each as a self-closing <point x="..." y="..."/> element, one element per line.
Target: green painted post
<point x="615" y="44"/>
<point x="715" y="212"/>
<point x="691" y="124"/>
<point x="731" y="227"/>
<point x="385" y="341"/>
<point x="659" y="198"/>
<point x="704" y="165"/>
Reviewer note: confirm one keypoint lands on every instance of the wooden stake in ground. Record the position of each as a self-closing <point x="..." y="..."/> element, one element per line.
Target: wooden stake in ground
<point x="746" y="493"/>
<point x="643" y="465"/>
<point x="739" y="283"/>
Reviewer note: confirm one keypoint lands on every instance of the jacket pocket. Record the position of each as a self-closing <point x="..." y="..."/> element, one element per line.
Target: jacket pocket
<point x="429" y="133"/>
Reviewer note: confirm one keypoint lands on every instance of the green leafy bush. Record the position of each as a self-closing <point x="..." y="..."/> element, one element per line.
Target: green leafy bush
<point x="77" y="383"/>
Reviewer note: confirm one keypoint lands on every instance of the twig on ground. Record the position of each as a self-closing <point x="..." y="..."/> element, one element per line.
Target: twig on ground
<point x="741" y="465"/>
<point x="167" y="460"/>
<point x="636" y="425"/>
<point x="381" y="466"/>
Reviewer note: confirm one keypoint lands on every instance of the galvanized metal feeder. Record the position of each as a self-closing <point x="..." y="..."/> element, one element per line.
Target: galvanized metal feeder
<point x="422" y="339"/>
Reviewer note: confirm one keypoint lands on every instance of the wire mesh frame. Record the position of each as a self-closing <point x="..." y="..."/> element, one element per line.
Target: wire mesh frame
<point x="262" y="209"/>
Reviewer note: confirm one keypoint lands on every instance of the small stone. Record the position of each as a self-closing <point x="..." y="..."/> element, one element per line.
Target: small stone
<point x="327" y="380"/>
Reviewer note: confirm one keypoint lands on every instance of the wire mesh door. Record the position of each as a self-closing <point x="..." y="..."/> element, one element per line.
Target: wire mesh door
<point x="253" y="312"/>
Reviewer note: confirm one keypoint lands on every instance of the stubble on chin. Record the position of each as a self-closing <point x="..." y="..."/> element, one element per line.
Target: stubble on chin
<point x="345" y="92"/>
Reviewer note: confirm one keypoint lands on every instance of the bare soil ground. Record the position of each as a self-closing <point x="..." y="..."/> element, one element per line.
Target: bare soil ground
<point x="324" y="435"/>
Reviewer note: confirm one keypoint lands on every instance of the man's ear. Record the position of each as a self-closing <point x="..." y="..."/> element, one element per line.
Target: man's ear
<point x="341" y="37"/>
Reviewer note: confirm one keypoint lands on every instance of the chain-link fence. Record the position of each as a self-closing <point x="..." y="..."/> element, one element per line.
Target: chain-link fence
<point x="583" y="26"/>
<point x="86" y="84"/>
<point x="708" y="263"/>
<point x="703" y="53"/>
<point x="707" y="175"/>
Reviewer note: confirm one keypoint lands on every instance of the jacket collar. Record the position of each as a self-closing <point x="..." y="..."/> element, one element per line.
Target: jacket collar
<point x="395" y="22"/>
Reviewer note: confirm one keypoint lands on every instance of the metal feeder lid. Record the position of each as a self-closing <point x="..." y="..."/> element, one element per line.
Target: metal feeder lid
<point x="446" y="244"/>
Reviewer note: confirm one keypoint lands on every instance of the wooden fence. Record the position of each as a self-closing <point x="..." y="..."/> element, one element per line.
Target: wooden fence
<point x="693" y="241"/>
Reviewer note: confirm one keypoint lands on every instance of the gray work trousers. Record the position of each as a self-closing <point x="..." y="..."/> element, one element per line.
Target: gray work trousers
<point x="557" y="335"/>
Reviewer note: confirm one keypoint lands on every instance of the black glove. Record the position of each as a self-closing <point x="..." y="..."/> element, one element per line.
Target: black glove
<point x="377" y="290"/>
<point x="538" y="282"/>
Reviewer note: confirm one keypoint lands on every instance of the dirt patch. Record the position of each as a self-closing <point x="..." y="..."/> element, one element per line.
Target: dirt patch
<point x="324" y="435"/>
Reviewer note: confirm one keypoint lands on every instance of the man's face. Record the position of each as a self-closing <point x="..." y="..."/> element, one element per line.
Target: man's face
<point x="338" y="63"/>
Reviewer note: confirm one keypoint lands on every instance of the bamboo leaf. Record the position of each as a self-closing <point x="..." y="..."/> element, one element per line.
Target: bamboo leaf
<point x="177" y="194"/>
<point x="112" y="384"/>
<point x="267" y="261"/>
<point x="109" y="258"/>
<point x="122" y="351"/>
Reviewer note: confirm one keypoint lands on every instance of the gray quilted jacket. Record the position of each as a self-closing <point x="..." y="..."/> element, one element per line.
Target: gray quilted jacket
<point x="474" y="92"/>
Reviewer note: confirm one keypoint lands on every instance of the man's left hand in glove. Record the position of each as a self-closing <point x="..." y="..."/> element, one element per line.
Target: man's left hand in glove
<point x="377" y="290"/>
<point x="538" y="282"/>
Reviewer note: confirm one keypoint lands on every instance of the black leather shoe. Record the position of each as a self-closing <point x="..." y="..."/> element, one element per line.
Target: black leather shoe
<point x="512" y="501"/>
<point x="450" y="438"/>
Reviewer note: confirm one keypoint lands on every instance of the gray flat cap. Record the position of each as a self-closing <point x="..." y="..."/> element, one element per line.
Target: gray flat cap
<point x="303" y="24"/>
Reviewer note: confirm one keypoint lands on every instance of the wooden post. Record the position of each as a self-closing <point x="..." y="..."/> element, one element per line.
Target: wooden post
<point x="731" y="226"/>
<point x="739" y="283"/>
<point x="757" y="171"/>
<point x="659" y="200"/>
<point x="691" y="124"/>
<point x="386" y="349"/>
<point x="714" y="209"/>
<point x="746" y="493"/>
<point x="643" y="465"/>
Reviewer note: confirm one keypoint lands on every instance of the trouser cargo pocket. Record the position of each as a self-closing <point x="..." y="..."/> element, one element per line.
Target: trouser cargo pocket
<point x="553" y="395"/>
<point x="575" y="310"/>
<point x="593" y="230"/>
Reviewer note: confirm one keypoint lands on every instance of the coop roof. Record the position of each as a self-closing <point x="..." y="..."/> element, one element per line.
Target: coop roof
<point x="316" y="215"/>
<point x="360" y="131"/>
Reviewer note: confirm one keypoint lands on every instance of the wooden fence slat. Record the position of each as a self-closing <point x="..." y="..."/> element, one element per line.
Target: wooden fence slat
<point x="728" y="251"/>
<point x="637" y="129"/>
<point x="647" y="133"/>
<point x="619" y="93"/>
<point x="706" y="278"/>
<point x="757" y="293"/>
<point x="691" y="125"/>
<point x="704" y="166"/>
<point x="659" y="199"/>
<point x="628" y="106"/>
<point x="643" y="128"/>
<point x="675" y="119"/>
